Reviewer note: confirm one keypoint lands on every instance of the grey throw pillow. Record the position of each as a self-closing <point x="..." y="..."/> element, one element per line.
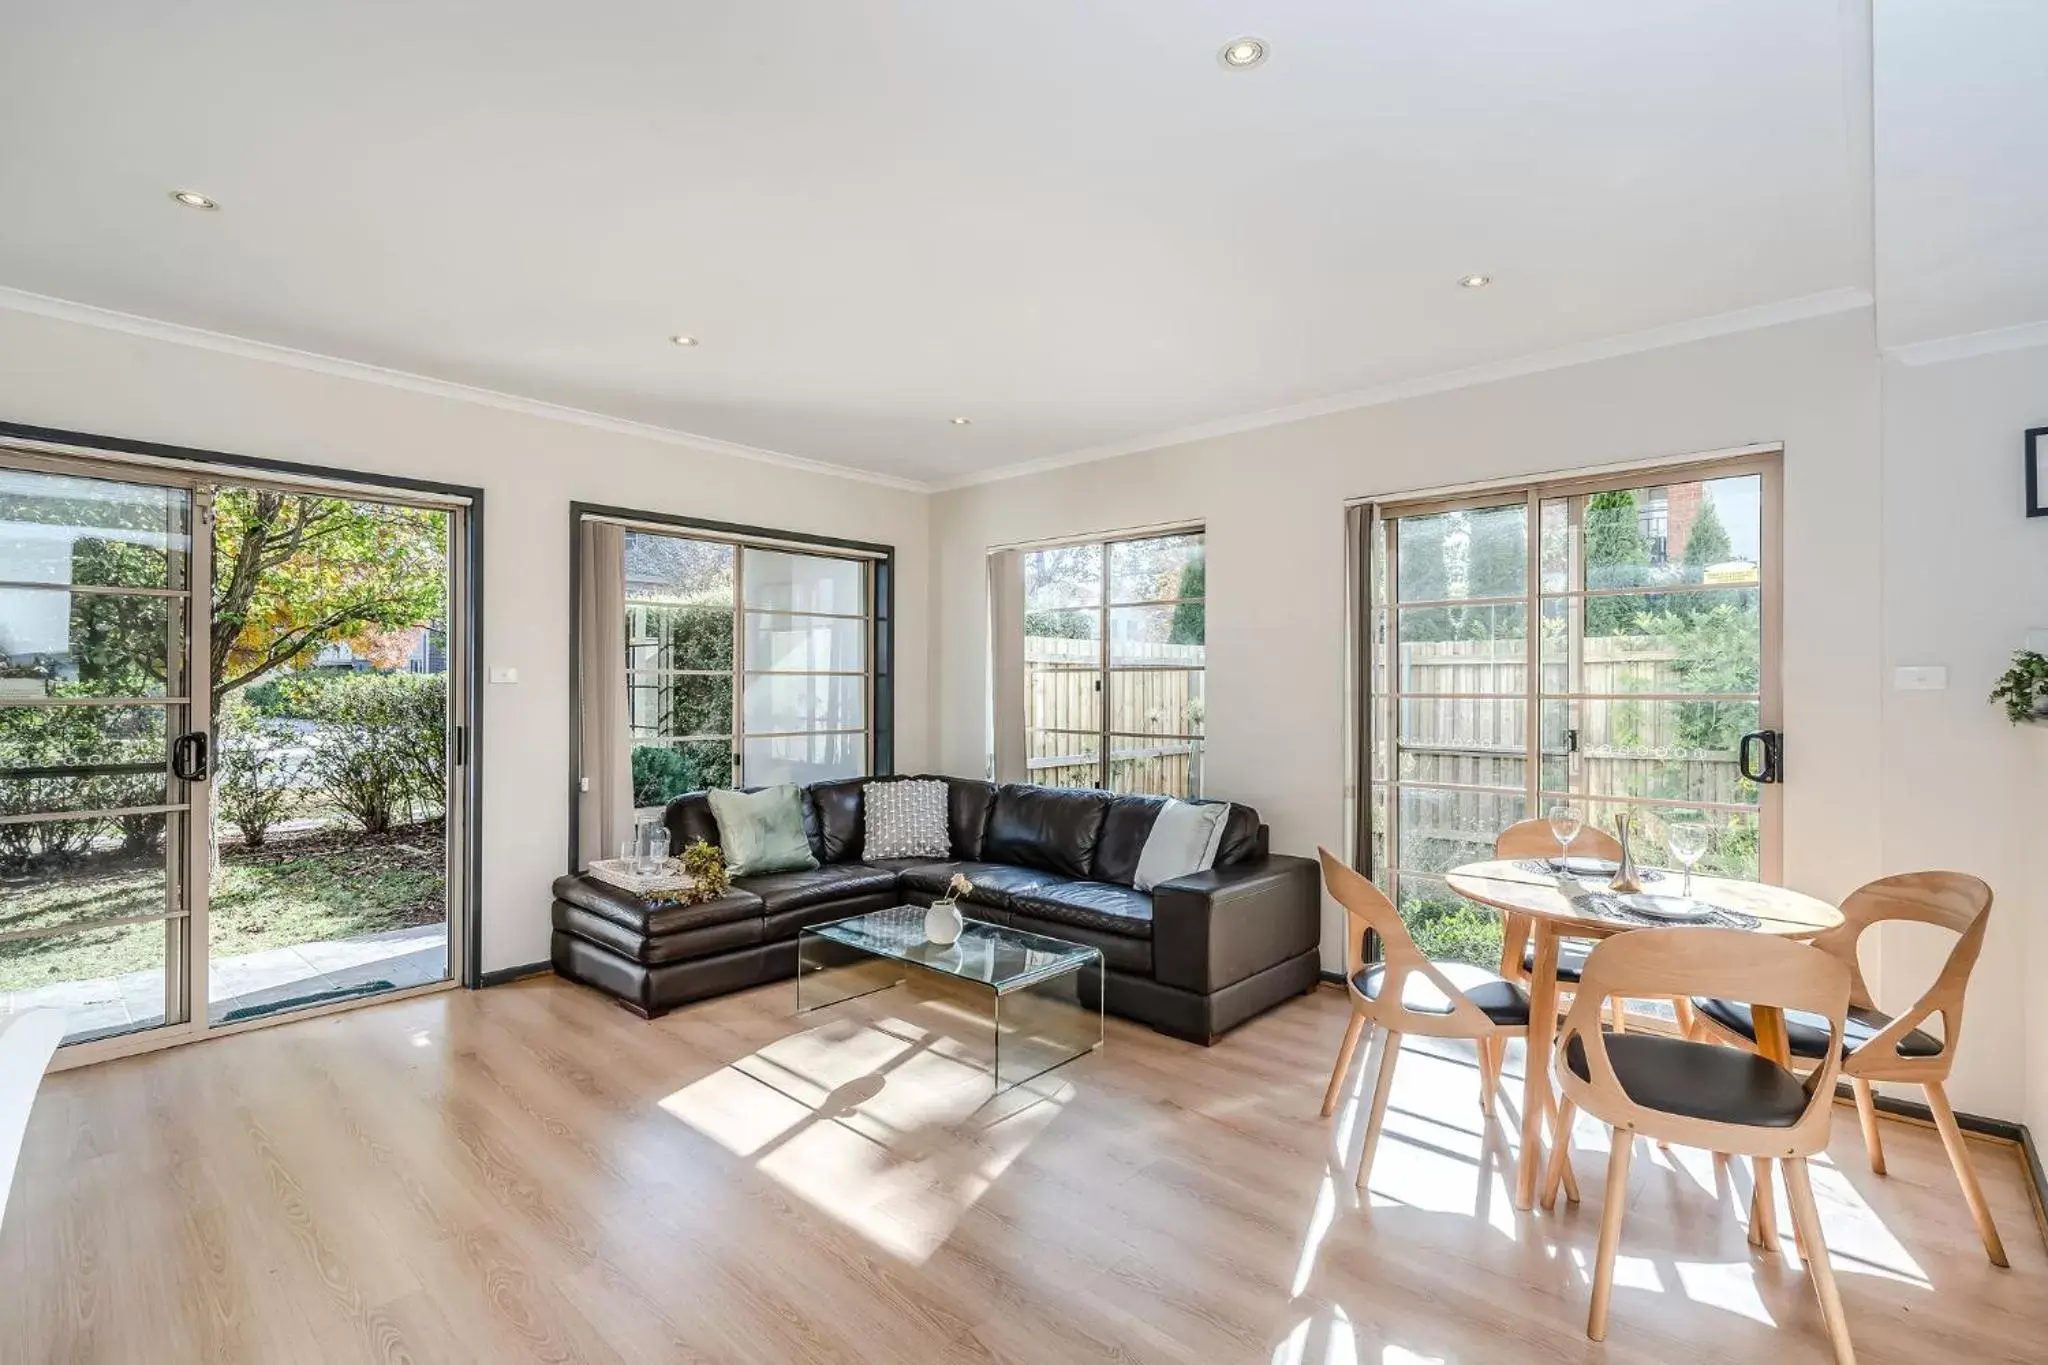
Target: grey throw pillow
<point x="1184" y="839"/>
<point x="762" y="831"/>
<point x="904" y="820"/>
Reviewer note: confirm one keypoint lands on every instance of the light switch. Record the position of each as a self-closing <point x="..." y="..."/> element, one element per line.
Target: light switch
<point x="1920" y="678"/>
<point x="504" y="675"/>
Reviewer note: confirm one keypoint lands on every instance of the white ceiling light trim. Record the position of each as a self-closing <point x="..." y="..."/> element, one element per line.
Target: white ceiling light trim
<point x="90" y="315"/>
<point x="1608" y="348"/>
<point x="1242" y="54"/>
<point x="1940" y="350"/>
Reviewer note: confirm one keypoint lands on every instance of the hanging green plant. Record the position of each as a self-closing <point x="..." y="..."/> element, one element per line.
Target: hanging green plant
<point x="2023" y="687"/>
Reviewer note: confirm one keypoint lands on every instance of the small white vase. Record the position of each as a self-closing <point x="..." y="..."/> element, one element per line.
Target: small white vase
<point x="942" y="923"/>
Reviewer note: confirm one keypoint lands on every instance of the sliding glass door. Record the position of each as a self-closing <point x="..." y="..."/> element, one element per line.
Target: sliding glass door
<point x="229" y="747"/>
<point x="97" y="748"/>
<point x="1603" y="644"/>
<point x="331" y="658"/>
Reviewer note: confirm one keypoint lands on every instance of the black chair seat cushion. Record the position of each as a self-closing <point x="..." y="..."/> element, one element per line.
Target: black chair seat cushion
<point x="1571" y="958"/>
<point x="997" y="884"/>
<point x="799" y="890"/>
<point x="1808" y="1033"/>
<point x="1698" y="1080"/>
<point x="1498" y="999"/>
<point x="649" y="918"/>
<point x="1101" y="906"/>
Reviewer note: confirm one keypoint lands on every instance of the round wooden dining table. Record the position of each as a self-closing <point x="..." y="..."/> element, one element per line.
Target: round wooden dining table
<point x="1517" y="887"/>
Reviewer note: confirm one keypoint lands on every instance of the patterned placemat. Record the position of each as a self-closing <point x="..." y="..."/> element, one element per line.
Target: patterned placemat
<point x="1538" y="865"/>
<point x="1609" y="905"/>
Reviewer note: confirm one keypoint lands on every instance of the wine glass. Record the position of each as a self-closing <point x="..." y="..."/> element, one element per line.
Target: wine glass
<point x="1687" y="840"/>
<point x="1565" y="825"/>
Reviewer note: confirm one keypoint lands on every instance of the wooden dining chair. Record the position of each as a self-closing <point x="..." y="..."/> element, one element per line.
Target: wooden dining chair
<point x="1532" y="839"/>
<point x="1877" y="1047"/>
<point x="1698" y="1094"/>
<point x="1406" y="993"/>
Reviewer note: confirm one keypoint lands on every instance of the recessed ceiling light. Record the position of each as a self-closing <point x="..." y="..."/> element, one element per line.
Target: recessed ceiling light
<point x="680" y="340"/>
<point x="193" y="199"/>
<point x="963" y="421"/>
<point x="1475" y="281"/>
<point x="1241" y="54"/>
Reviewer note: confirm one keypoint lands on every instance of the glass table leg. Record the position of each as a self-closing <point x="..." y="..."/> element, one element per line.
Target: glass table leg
<point x="1044" y="1025"/>
<point x="829" y="972"/>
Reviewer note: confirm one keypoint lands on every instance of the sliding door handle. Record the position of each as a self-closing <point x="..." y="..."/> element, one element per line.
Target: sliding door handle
<point x="189" y="757"/>
<point x="1760" y="756"/>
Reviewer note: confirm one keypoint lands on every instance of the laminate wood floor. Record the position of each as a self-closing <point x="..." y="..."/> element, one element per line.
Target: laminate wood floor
<point x="531" y="1174"/>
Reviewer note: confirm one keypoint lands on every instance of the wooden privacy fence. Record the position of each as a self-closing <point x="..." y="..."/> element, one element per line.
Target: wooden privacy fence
<point x="1151" y="710"/>
<point x="1626" y="747"/>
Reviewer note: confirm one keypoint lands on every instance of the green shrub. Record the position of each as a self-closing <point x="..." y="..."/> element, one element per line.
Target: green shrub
<point x="380" y="746"/>
<point x="60" y="736"/>
<point x="253" y="778"/>
<point x="662" y="774"/>
<point x="269" y="698"/>
<point x="1452" y="930"/>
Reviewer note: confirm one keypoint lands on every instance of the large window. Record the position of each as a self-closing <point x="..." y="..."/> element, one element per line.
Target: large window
<point x="746" y="664"/>
<point x="1651" y="656"/>
<point x="1114" y="659"/>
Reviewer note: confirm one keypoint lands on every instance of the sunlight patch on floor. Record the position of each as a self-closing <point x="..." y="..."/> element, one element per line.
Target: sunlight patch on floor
<point x="1439" y="1152"/>
<point x="1857" y="1236"/>
<point x="1727" y="1285"/>
<point x="1328" y="1338"/>
<point x="885" y="1123"/>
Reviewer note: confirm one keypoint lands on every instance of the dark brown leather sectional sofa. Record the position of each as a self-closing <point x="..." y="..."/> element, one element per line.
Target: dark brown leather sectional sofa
<point x="1194" y="957"/>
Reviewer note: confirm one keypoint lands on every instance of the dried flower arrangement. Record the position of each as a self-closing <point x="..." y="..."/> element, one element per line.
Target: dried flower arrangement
<point x="706" y="866"/>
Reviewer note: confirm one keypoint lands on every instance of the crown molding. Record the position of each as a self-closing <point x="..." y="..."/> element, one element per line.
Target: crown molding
<point x="90" y="315"/>
<point x="1608" y="348"/>
<point x="1968" y="345"/>
<point x="1677" y="334"/>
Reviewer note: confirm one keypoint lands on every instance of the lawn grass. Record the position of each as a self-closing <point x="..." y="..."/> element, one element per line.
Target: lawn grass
<point x="298" y="888"/>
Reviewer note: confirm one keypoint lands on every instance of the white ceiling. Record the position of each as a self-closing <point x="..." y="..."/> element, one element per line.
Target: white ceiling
<point x="1060" y="218"/>
<point x="1962" y="167"/>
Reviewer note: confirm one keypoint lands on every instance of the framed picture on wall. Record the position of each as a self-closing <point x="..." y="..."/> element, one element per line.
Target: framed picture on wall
<point x="2037" y="477"/>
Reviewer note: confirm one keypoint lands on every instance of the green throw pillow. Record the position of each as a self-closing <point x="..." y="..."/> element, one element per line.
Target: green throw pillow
<point x="762" y="831"/>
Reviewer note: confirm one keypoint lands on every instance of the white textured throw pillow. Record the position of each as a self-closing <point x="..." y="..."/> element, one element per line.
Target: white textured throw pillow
<point x="904" y="820"/>
<point x="1184" y="839"/>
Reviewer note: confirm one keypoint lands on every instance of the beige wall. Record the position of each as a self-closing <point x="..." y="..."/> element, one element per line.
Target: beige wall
<point x="1965" y="577"/>
<point x="1901" y="551"/>
<point x="62" y="374"/>
<point x="1273" y="502"/>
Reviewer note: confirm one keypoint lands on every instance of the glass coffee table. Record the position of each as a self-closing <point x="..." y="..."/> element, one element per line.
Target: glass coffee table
<point x="1041" y="997"/>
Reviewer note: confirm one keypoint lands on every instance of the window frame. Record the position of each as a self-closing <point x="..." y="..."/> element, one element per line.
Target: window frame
<point x="1104" y="666"/>
<point x="878" y="563"/>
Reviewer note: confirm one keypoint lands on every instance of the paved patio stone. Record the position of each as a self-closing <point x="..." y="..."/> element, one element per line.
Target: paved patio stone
<point x="403" y="957"/>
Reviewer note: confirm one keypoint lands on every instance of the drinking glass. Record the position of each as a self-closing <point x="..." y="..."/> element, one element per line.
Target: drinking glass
<point x="657" y="850"/>
<point x="629" y="853"/>
<point x="1565" y="825"/>
<point x="1687" y="840"/>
